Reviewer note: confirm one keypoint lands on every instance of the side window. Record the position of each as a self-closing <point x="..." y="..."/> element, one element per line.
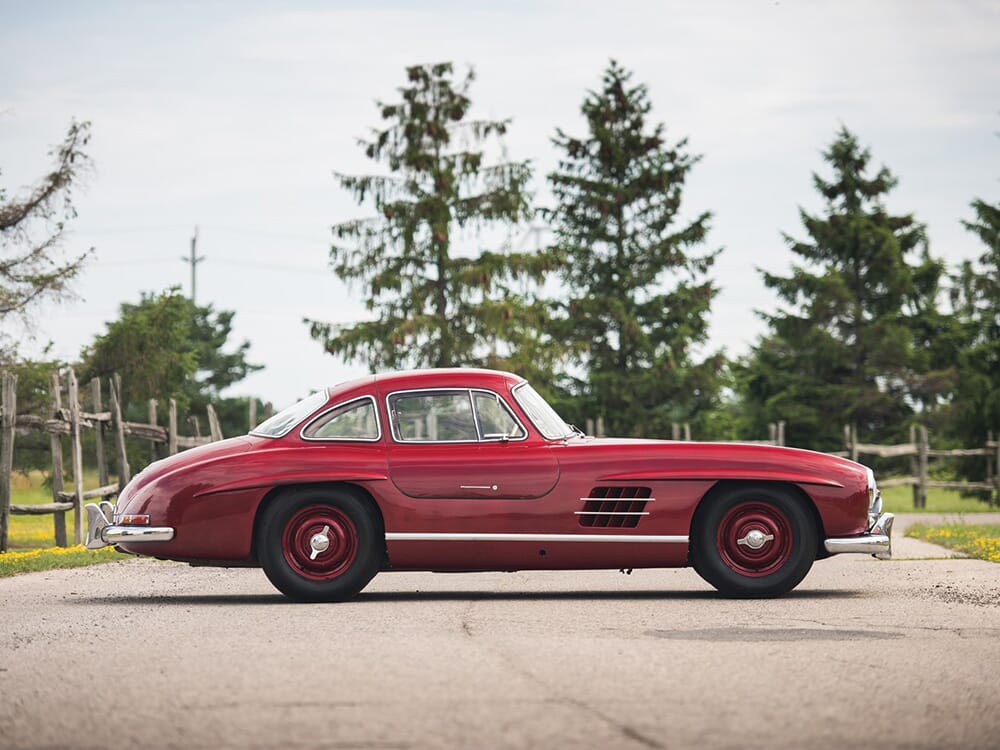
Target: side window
<point x="495" y="421"/>
<point x="441" y="416"/>
<point x="353" y="421"/>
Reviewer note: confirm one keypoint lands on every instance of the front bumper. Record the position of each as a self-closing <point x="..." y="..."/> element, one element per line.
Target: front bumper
<point x="876" y="541"/>
<point x="101" y="531"/>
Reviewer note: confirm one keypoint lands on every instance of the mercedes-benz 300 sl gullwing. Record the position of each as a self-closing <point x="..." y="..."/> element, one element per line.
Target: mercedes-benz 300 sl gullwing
<point x="472" y="470"/>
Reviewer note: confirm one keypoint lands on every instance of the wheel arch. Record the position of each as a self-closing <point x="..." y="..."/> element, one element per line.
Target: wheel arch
<point x="726" y="485"/>
<point x="274" y="495"/>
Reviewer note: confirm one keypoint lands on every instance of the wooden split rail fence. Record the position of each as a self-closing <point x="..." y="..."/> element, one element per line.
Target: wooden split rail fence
<point x="71" y="420"/>
<point x="920" y="453"/>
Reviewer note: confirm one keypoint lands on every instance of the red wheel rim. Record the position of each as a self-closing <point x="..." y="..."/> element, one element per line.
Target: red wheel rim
<point x="303" y="546"/>
<point x="755" y="539"/>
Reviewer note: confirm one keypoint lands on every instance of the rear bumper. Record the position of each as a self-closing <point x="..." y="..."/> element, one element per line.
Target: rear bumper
<point x="101" y="531"/>
<point x="876" y="541"/>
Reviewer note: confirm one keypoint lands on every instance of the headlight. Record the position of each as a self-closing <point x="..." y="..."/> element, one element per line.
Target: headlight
<point x="874" y="498"/>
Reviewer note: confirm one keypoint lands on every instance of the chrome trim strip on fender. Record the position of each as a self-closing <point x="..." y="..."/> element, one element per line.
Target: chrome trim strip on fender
<point x="611" y="512"/>
<point x="398" y="536"/>
<point x="618" y="499"/>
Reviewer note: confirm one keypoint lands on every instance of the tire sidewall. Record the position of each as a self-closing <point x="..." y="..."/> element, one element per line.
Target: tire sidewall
<point x="708" y="562"/>
<point x="362" y="568"/>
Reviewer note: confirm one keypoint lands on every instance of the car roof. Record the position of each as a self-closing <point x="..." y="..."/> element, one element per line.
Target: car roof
<point x="443" y="377"/>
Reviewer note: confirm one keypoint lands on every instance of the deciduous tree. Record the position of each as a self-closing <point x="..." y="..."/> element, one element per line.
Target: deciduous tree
<point x="32" y="268"/>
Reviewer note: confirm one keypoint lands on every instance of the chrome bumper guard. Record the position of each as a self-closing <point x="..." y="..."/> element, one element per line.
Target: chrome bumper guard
<point x="877" y="541"/>
<point x="101" y="531"/>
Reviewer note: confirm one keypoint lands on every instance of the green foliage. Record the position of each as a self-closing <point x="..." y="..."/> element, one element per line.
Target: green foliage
<point x="860" y="339"/>
<point x="435" y="303"/>
<point x="637" y="295"/>
<point x="976" y="298"/>
<point x="167" y="347"/>
<point x="31" y="231"/>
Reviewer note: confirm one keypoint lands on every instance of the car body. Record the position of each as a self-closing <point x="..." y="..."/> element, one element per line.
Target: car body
<point x="470" y="470"/>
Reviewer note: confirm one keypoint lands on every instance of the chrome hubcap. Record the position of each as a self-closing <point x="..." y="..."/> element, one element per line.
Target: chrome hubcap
<point x="319" y="543"/>
<point x="755" y="539"/>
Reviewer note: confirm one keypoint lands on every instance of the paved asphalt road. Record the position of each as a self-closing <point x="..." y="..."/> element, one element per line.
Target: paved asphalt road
<point x="901" y="654"/>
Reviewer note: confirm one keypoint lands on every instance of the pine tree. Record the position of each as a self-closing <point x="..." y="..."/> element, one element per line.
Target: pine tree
<point x="437" y="300"/>
<point x="858" y="335"/>
<point x="618" y="193"/>
<point x="976" y="299"/>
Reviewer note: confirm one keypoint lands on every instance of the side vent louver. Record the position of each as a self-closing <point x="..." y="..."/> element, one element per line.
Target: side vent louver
<point x="614" y="507"/>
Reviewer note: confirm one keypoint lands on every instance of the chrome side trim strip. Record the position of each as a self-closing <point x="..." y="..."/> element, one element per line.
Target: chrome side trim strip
<point x="611" y="512"/>
<point x="449" y="537"/>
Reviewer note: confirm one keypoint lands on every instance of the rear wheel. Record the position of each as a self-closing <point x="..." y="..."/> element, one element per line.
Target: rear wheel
<point x="319" y="545"/>
<point x="754" y="542"/>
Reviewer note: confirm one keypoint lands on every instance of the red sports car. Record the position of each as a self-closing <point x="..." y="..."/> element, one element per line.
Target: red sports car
<point x="466" y="470"/>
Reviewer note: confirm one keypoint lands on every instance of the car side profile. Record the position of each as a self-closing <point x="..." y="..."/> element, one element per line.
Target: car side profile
<point x="472" y="470"/>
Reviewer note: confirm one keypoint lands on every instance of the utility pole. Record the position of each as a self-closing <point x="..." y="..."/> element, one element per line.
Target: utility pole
<point x="194" y="260"/>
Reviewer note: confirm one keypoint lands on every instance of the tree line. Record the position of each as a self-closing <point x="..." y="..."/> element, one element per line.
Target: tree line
<point x="608" y="319"/>
<point x="872" y="330"/>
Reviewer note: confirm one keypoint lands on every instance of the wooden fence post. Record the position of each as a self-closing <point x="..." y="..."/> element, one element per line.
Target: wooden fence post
<point x="990" y="478"/>
<point x="915" y="467"/>
<point x="675" y="431"/>
<point x="600" y="427"/>
<point x="76" y="456"/>
<point x="996" y="477"/>
<point x="102" y="459"/>
<point x="214" y="428"/>
<point x="922" y="476"/>
<point x="55" y="443"/>
<point x="151" y="413"/>
<point x="781" y="432"/>
<point x="687" y="432"/>
<point x="253" y="414"/>
<point x="124" y="473"/>
<point x="854" y="442"/>
<point x="9" y="405"/>
<point x="171" y="427"/>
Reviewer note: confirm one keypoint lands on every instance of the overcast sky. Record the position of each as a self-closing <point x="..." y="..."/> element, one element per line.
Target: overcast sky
<point x="232" y="116"/>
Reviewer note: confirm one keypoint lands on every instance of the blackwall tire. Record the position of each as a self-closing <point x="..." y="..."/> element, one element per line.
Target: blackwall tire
<point x="754" y="541"/>
<point x="319" y="544"/>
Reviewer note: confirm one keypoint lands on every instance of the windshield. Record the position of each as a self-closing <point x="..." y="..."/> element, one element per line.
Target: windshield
<point x="544" y="417"/>
<point x="280" y="424"/>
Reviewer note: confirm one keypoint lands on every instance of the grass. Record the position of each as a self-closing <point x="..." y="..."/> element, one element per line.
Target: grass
<point x="900" y="500"/>
<point x="979" y="541"/>
<point x="12" y="563"/>
<point x="31" y="539"/>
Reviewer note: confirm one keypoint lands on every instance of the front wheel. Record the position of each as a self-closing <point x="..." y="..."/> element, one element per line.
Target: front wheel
<point x="319" y="545"/>
<point x="753" y="542"/>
